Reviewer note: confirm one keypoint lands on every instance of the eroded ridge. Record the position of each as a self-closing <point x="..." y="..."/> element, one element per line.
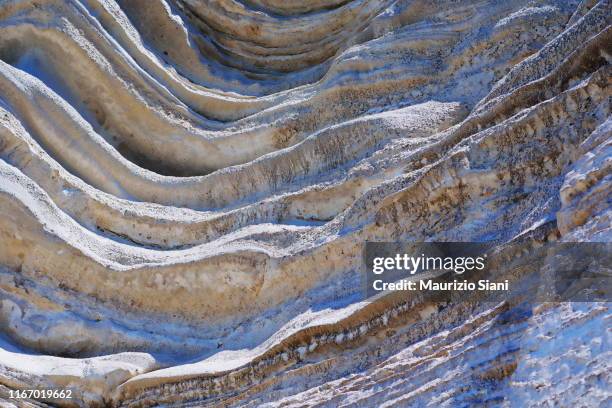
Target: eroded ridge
<point x="186" y="187"/>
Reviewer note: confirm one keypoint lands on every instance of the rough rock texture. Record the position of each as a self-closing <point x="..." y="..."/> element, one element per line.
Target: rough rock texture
<point x="186" y="187"/>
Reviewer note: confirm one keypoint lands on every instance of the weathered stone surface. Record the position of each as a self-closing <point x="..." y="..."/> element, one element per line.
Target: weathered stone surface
<point x="186" y="185"/>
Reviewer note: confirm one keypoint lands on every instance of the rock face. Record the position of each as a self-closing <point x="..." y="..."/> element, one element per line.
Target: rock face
<point x="186" y="187"/>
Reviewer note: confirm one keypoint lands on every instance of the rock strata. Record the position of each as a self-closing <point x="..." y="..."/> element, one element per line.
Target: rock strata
<point x="186" y="187"/>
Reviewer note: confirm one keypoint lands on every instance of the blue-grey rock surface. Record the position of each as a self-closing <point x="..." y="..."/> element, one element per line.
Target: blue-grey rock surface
<point x="186" y="187"/>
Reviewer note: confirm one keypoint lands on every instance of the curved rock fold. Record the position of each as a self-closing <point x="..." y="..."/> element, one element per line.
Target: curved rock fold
<point x="186" y="187"/>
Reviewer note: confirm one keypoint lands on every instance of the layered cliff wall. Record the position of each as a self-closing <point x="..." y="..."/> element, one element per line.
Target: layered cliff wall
<point x="186" y="187"/>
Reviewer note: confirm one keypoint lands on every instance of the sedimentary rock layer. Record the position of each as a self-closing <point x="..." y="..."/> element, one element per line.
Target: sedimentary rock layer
<point x="186" y="187"/>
